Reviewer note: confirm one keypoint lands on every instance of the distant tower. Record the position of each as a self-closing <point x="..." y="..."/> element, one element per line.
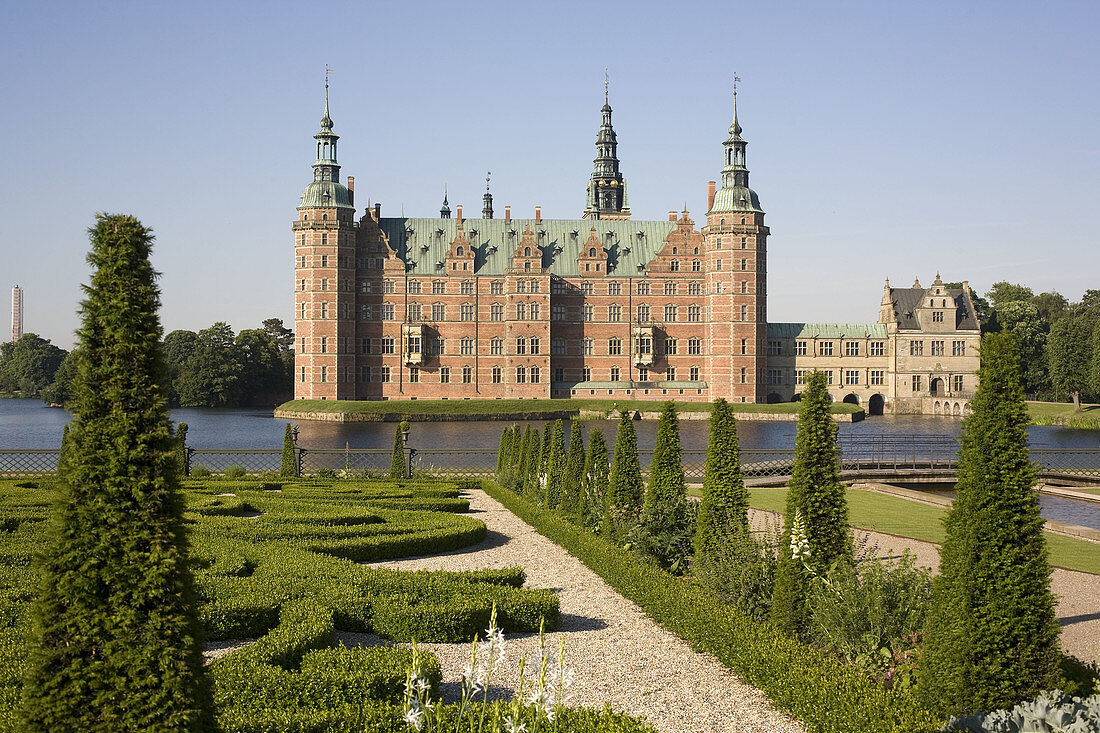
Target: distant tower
<point x="487" y="200"/>
<point x="16" y="313"/>
<point x="445" y="210"/>
<point x="606" y="194"/>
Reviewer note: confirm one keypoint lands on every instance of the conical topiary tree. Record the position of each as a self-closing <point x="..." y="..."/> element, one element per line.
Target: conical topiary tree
<point x="816" y="500"/>
<point x="531" y="483"/>
<point x="723" y="510"/>
<point x="181" y="447"/>
<point x="555" y="467"/>
<point x="625" y="483"/>
<point x="502" y="451"/>
<point x="991" y="638"/>
<point x="116" y="642"/>
<point x="666" y="474"/>
<point x="398" y="469"/>
<point x="596" y="474"/>
<point x="544" y="453"/>
<point x="574" y="470"/>
<point x="288" y="467"/>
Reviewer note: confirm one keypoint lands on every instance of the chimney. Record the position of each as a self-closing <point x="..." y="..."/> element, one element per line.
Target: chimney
<point x="538" y="214"/>
<point x="458" y="212"/>
<point x="351" y="190"/>
<point x="378" y="212"/>
<point x="672" y="216"/>
<point x="710" y="195"/>
<point x="507" y="214"/>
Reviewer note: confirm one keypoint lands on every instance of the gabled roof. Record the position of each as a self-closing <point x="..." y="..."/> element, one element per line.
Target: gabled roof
<point x="419" y="241"/>
<point x="826" y="330"/>
<point x="907" y="300"/>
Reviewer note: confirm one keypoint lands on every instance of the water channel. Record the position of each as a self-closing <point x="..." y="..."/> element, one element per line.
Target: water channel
<point x="30" y="424"/>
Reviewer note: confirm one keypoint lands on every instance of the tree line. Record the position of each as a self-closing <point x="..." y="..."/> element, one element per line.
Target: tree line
<point x="210" y="368"/>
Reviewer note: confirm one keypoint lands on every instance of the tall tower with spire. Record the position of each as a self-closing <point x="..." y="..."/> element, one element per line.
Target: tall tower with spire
<point x="324" y="268"/>
<point x="606" y="194"/>
<point x="736" y="250"/>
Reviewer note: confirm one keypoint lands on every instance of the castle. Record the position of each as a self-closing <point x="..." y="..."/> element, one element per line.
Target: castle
<point x="451" y="307"/>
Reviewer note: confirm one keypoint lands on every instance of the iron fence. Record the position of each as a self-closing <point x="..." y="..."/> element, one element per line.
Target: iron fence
<point x="28" y="462"/>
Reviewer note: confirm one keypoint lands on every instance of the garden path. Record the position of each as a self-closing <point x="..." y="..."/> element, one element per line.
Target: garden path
<point x="619" y="654"/>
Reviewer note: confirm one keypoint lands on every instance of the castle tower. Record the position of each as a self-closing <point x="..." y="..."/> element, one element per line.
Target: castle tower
<point x="736" y="246"/>
<point x="16" y="313"/>
<point x="606" y="194"/>
<point x="324" y="253"/>
<point x="487" y="201"/>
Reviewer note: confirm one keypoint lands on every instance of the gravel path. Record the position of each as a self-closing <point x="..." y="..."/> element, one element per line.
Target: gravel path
<point x="618" y="654"/>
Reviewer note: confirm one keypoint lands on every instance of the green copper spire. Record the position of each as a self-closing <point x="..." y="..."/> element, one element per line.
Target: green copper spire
<point x="735" y="194"/>
<point x="606" y="194"/>
<point x="445" y="210"/>
<point x="326" y="190"/>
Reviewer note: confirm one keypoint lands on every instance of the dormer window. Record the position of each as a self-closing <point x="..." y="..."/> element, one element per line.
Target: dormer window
<point x="526" y="251"/>
<point x="592" y="252"/>
<point x="460" y="252"/>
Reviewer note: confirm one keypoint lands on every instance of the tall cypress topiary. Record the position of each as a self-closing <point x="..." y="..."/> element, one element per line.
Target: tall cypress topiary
<point x="596" y="474"/>
<point x="115" y="633"/>
<point x="574" y="470"/>
<point x="181" y="447"/>
<point x="625" y="484"/>
<point x="502" y="451"/>
<point x="723" y="510"/>
<point x="523" y="457"/>
<point x="816" y="500"/>
<point x="534" y="453"/>
<point x="544" y="453"/>
<point x="991" y="638"/>
<point x="666" y="474"/>
<point x="555" y="467"/>
<point x="398" y="469"/>
<point x="288" y="468"/>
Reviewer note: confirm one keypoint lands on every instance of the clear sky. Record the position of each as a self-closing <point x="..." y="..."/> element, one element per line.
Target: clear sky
<point x="886" y="139"/>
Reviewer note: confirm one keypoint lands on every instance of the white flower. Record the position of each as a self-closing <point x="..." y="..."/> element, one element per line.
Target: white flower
<point x="414" y="717"/>
<point x="511" y="727"/>
<point x="422" y="685"/>
<point x="538" y="697"/>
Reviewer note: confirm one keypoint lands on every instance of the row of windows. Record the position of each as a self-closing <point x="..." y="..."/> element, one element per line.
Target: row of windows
<point x="523" y="374"/>
<point x="847" y="376"/>
<point x="916" y="348"/>
<point x="524" y="312"/>
<point x="496" y="287"/>
<point x="523" y="345"/>
<point x="917" y="382"/>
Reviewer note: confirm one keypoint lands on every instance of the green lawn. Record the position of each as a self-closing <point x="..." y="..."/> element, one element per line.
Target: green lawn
<point x="495" y="407"/>
<point x="1061" y="413"/>
<point x="893" y="515"/>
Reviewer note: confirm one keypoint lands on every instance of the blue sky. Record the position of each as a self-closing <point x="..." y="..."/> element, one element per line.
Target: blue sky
<point x="886" y="139"/>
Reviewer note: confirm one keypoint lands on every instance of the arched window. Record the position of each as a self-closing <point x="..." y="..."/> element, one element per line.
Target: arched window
<point x="460" y="252"/>
<point x="324" y="217"/>
<point x="592" y="252"/>
<point x="526" y="251"/>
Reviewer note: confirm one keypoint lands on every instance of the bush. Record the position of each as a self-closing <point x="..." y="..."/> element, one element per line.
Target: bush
<point x="666" y="474"/>
<point x="625" y="491"/>
<point x="664" y="533"/>
<point x="288" y="466"/>
<point x="200" y="470"/>
<point x="742" y="569"/>
<point x="723" y="511"/>
<point x="233" y="471"/>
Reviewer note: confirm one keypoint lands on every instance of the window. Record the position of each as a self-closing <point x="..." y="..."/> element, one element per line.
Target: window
<point x="696" y="266"/>
<point x="744" y="287"/>
<point x="302" y="259"/>
<point x="916" y="348"/>
<point x="557" y="313"/>
<point x="670" y="374"/>
<point x="670" y="346"/>
<point x="775" y="376"/>
<point x="643" y="288"/>
<point x="387" y="311"/>
<point x="324" y="310"/>
<point x="674" y="265"/>
<point x="744" y="264"/>
<point x="828" y="376"/>
<point x="851" y="376"/>
<point x="775" y="348"/>
<point x="916" y="383"/>
<point x="615" y="347"/>
<point x="670" y="313"/>
<point x="387" y="286"/>
<point x="496" y="347"/>
<point x="614" y="313"/>
<point x="878" y="376"/>
<point x="643" y="374"/>
<point x="324" y="344"/>
<point x="303" y="309"/>
<point x="324" y="374"/>
<point x="694" y="313"/>
<point x="586" y="313"/>
<point x="615" y="289"/>
<point x="957" y="383"/>
<point x="302" y="285"/>
<point x="414" y="287"/>
<point x="387" y="345"/>
<point x="586" y="287"/>
<point x="937" y="348"/>
<point x="534" y="284"/>
<point x="439" y="287"/>
<point x="467" y="287"/>
<point x="695" y="347"/>
<point x="521" y="311"/>
<point x="521" y="286"/>
<point x="799" y="376"/>
<point x="521" y="375"/>
<point x="851" y="348"/>
<point x="496" y="287"/>
<point x="365" y="373"/>
<point x="559" y="374"/>
<point x="614" y="374"/>
<point x="444" y="375"/>
<point x="467" y="346"/>
<point x="825" y="348"/>
<point x="643" y="345"/>
<point x="694" y="289"/>
<point x="413" y="311"/>
<point x="364" y="345"/>
<point x="958" y="348"/>
<point x="521" y="345"/>
<point x="744" y="243"/>
<point x="799" y="348"/>
<point x="693" y="374"/>
<point x="536" y="375"/>
<point x="670" y="288"/>
<point x="744" y="347"/>
<point x="496" y="312"/>
<point x="365" y="313"/>
<point x="557" y="347"/>
<point x="414" y="375"/>
<point x="586" y="374"/>
<point x="744" y="313"/>
<point x="497" y="375"/>
<point x="557" y="285"/>
<point x="436" y="345"/>
<point x="466" y="313"/>
<point x="536" y="344"/>
<point x="385" y="377"/>
<point x="643" y="313"/>
<point x="586" y="347"/>
<point x="937" y="316"/>
<point x="324" y="258"/>
<point x="878" y="348"/>
<point x="439" y="312"/>
<point x="467" y="375"/>
<point x="744" y="375"/>
<point x="413" y="346"/>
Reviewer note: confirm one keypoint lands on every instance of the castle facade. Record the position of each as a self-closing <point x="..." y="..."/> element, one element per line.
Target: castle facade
<point x="451" y="307"/>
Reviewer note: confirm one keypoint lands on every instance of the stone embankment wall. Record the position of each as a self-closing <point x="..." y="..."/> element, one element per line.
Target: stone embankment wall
<point x="349" y="417"/>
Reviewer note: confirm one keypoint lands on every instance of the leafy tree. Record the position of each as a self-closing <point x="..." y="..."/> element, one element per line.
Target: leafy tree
<point x="666" y="475"/>
<point x="1051" y="306"/>
<point x="116" y="639"/>
<point x="1022" y="319"/>
<point x="28" y="365"/>
<point x="264" y="380"/>
<point x="596" y="473"/>
<point x="555" y="466"/>
<point x="1094" y="364"/>
<point x="288" y="467"/>
<point x="1005" y="292"/>
<point x="816" y="501"/>
<point x="178" y="347"/>
<point x="724" y="508"/>
<point x="625" y="483"/>
<point x="991" y="638"/>
<point x="60" y="390"/>
<point x="397" y="458"/>
<point x="1070" y="346"/>
<point x="211" y="375"/>
<point x="574" y="471"/>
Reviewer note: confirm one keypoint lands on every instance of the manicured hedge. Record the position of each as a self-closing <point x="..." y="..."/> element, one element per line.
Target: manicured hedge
<point x="823" y="692"/>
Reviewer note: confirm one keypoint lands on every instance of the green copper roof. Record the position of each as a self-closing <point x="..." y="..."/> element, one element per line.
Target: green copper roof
<point x="425" y="242"/>
<point x="326" y="194"/>
<point x="737" y="198"/>
<point x="826" y="330"/>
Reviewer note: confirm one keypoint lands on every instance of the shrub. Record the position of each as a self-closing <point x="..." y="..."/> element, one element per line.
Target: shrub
<point x="555" y="467"/>
<point x="181" y="448"/>
<point x="723" y="511"/>
<point x="666" y="474"/>
<point x="625" y="483"/>
<point x="116" y="643"/>
<point x="398" y="469"/>
<point x="595" y="481"/>
<point x="1052" y="712"/>
<point x="664" y="534"/>
<point x="992" y="638"/>
<point x="288" y="467"/>
<point x="234" y="471"/>
<point x="200" y="470"/>
<point x="742" y="568"/>
<point x="574" y="470"/>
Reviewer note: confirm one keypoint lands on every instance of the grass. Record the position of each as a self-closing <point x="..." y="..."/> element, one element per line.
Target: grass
<point x="1061" y="413"/>
<point x="905" y="518"/>
<point x="566" y="407"/>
